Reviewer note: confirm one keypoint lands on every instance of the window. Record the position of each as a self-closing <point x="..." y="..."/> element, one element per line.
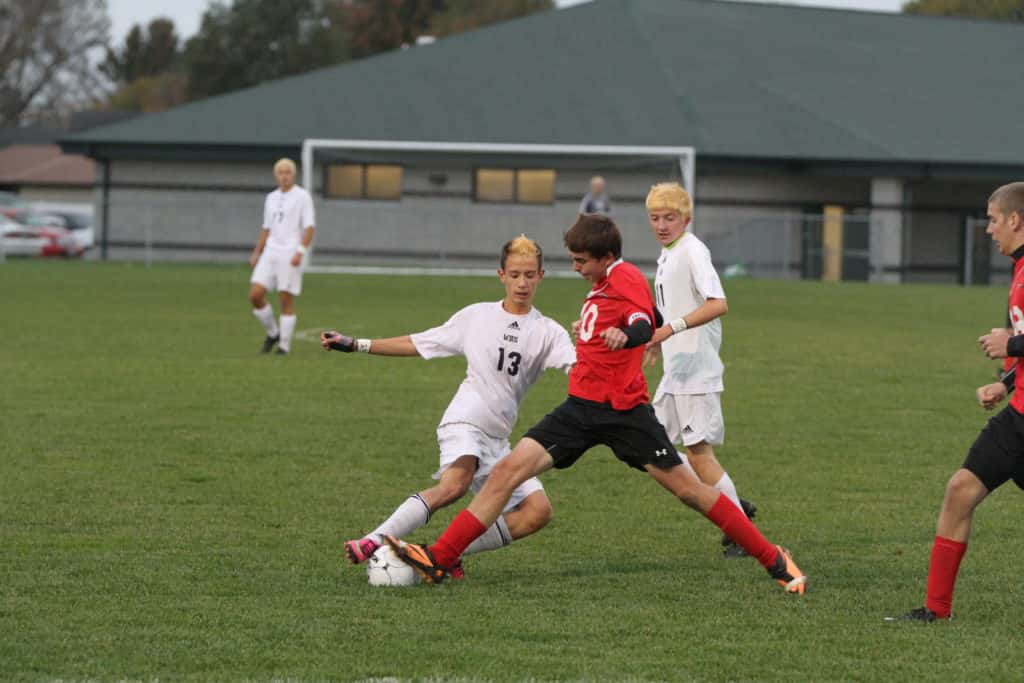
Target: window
<point x="364" y="181"/>
<point x="523" y="186"/>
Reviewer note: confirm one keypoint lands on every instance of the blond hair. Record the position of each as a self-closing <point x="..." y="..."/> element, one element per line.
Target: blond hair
<point x="522" y="246"/>
<point x="670" y="197"/>
<point x="285" y="162"/>
<point x="1009" y="198"/>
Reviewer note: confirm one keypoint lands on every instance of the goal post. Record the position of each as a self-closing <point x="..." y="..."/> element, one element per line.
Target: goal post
<point x="439" y="212"/>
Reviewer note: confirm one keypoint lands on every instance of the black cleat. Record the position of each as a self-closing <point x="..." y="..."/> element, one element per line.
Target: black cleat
<point x="280" y="352"/>
<point x="729" y="548"/>
<point x="269" y="342"/>
<point x="922" y="614"/>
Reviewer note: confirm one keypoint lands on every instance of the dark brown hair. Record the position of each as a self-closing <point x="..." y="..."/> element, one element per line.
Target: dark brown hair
<point x="594" y="234"/>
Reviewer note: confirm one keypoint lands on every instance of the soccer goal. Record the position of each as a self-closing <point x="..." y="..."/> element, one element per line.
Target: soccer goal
<point x="451" y="205"/>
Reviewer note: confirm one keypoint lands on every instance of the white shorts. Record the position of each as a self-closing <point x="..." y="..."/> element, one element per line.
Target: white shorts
<point x="275" y="272"/>
<point x="457" y="440"/>
<point x="691" y="418"/>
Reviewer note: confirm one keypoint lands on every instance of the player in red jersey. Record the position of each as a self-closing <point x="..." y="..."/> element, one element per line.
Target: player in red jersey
<point x="607" y="404"/>
<point x="997" y="455"/>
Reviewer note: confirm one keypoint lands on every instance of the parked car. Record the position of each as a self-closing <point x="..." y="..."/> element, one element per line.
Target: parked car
<point x="78" y="218"/>
<point x="19" y="240"/>
<point x="37" y="234"/>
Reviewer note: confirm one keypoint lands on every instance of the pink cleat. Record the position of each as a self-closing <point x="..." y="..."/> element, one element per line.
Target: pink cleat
<point x="359" y="551"/>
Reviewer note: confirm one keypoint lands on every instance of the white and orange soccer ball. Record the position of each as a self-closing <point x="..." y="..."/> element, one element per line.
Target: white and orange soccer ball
<point x="385" y="569"/>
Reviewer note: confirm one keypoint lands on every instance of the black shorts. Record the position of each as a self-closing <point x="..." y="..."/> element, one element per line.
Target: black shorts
<point x="998" y="453"/>
<point x="635" y="436"/>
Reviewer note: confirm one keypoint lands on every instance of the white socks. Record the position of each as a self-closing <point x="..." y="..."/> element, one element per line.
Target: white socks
<point x="496" y="536"/>
<point x="266" y="317"/>
<point x="407" y="517"/>
<point x="726" y="486"/>
<point x="414" y="513"/>
<point x="287" y="330"/>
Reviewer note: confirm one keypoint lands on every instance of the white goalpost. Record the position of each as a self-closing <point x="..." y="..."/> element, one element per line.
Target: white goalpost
<point x="687" y="156"/>
<point x="462" y="224"/>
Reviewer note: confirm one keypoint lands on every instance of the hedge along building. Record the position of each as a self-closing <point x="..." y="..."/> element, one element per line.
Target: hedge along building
<point x="894" y="128"/>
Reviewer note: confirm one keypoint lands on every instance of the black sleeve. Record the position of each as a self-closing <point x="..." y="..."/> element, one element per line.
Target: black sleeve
<point x="1015" y="347"/>
<point x="659" y="319"/>
<point x="638" y="333"/>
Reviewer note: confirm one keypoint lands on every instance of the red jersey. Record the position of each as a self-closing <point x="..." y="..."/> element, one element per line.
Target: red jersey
<point x="621" y="298"/>
<point x="1017" y="323"/>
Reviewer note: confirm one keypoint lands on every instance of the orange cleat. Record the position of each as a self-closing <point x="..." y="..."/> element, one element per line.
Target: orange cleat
<point x="419" y="558"/>
<point x="787" y="574"/>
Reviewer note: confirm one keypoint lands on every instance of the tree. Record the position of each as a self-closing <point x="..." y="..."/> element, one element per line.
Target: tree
<point x="252" y="41"/>
<point x="151" y="93"/>
<point x="257" y="40"/>
<point x="46" y="50"/>
<point x="379" y="25"/>
<point x="464" y="15"/>
<point x="143" y="54"/>
<point x="1006" y="10"/>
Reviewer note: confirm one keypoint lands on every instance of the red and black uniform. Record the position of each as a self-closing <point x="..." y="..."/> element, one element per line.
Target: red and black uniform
<point x="997" y="455"/>
<point x="608" y="401"/>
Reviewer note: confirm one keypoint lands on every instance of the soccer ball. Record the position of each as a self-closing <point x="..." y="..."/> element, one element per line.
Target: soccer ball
<point x="385" y="569"/>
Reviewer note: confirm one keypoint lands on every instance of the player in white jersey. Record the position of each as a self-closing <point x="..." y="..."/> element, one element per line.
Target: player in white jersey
<point x="507" y="345"/>
<point x="691" y="300"/>
<point x="280" y="255"/>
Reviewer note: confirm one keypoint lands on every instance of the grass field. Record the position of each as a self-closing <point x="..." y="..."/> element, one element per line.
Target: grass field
<point x="172" y="503"/>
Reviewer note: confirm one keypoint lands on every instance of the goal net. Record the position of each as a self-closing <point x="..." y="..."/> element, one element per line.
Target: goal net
<point x="443" y="205"/>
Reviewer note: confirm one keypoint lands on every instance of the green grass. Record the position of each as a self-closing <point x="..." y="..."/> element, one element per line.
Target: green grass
<point x="172" y="503"/>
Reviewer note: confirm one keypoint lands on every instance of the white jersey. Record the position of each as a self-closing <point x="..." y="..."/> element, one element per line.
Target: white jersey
<point x="286" y="215"/>
<point x="505" y="354"/>
<point x="686" y="279"/>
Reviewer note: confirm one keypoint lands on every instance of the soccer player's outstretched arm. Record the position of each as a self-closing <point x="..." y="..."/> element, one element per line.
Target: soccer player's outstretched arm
<point x="392" y="346"/>
<point x="702" y="315"/>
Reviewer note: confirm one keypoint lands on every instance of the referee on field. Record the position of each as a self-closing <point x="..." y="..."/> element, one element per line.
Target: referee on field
<point x="998" y="453"/>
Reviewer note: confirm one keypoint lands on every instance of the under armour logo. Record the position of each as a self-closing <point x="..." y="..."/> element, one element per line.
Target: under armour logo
<point x="663" y="451"/>
<point x="514" y="325"/>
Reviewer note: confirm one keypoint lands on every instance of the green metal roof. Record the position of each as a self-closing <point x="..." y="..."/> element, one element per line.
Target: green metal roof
<point x="731" y="79"/>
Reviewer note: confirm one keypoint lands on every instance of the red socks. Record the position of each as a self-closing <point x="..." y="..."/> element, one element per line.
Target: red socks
<point x="942" y="571"/>
<point x="463" y="530"/>
<point x="734" y="524"/>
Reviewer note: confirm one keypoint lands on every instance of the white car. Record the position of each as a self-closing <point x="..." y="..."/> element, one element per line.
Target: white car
<point x="36" y="234"/>
<point x="19" y="240"/>
<point x="78" y="218"/>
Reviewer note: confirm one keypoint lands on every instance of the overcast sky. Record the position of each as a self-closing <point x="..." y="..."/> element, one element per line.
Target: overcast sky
<point x="187" y="13"/>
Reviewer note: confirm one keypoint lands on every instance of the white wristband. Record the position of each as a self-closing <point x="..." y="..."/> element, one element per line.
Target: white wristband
<point x="301" y="249"/>
<point x="363" y="345"/>
<point x="678" y="325"/>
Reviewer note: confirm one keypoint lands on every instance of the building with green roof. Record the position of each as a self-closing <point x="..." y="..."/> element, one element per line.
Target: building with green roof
<point x="900" y="125"/>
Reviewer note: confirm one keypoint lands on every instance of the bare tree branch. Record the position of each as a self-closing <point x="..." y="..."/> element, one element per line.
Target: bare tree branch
<point x="48" y="50"/>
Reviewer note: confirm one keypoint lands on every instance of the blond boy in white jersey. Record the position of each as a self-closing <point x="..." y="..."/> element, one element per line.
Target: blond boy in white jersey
<point x="690" y="297"/>
<point x="280" y="255"/>
<point x="507" y="344"/>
